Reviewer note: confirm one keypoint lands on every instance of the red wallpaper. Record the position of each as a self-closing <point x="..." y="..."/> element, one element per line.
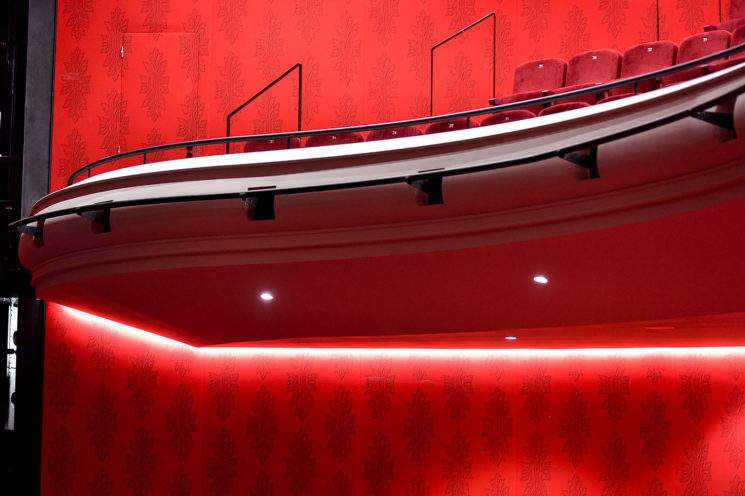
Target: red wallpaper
<point x="129" y="413"/>
<point x="187" y="63"/>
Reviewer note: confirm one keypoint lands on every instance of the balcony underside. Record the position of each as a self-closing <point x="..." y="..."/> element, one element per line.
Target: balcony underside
<point x="657" y="236"/>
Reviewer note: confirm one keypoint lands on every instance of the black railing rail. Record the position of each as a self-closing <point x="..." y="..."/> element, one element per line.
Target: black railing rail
<point x="260" y="200"/>
<point x="266" y="88"/>
<point x="418" y="121"/>
<point x="493" y="17"/>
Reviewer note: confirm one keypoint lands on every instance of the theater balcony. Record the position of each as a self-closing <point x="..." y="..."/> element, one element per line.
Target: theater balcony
<point x="551" y="221"/>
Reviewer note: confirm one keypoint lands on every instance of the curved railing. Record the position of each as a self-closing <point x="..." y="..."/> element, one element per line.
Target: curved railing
<point x="632" y="81"/>
<point x="580" y="150"/>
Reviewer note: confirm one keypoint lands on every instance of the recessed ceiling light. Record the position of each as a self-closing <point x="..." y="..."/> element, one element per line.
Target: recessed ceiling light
<point x="510" y="338"/>
<point x="540" y="279"/>
<point x="266" y="296"/>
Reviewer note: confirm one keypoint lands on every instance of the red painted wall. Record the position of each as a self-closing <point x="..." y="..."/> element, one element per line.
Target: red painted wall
<point x="125" y="413"/>
<point x="187" y="63"/>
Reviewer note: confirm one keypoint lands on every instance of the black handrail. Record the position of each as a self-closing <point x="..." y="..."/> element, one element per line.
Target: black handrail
<point x="266" y="88"/>
<point x="475" y="23"/>
<point x="418" y="121"/>
<point x="99" y="212"/>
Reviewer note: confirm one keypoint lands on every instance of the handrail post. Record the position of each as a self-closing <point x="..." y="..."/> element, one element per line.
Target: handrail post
<point x="493" y="16"/>
<point x="431" y="80"/>
<point x="494" y="55"/>
<point x="266" y="88"/>
<point x="300" y="97"/>
<point x="227" y="133"/>
<point x="299" y="102"/>
<point x="657" y="13"/>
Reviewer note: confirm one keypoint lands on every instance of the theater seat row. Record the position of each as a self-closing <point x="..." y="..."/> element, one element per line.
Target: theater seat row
<point x="555" y="76"/>
<point x="344" y="138"/>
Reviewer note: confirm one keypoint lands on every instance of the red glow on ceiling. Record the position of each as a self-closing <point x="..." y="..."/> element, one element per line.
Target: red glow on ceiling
<point x="155" y="339"/>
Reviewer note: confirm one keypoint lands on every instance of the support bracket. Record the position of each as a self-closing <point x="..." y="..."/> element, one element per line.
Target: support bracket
<point x="37" y="232"/>
<point x="586" y="158"/>
<point x="429" y="189"/>
<point x="100" y="219"/>
<point x="259" y="204"/>
<point x="724" y="120"/>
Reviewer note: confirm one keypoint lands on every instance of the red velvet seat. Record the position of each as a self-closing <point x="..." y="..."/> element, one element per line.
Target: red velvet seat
<point x="589" y="69"/>
<point x="738" y="38"/>
<point x="333" y="139"/>
<point x="393" y="132"/>
<point x="615" y="97"/>
<point x="452" y="125"/>
<point x="641" y="59"/>
<point x="735" y="20"/>
<point x="563" y="107"/>
<point x="507" y="116"/>
<point x="732" y="25"/>
<point x="694" y="47"/>
<point x="269" y="145"/>
<point x="533" y="80"/>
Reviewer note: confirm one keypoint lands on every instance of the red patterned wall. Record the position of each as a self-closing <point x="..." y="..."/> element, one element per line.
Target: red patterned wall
<point x="187" y="63"/>
<point x="130" y="414"/>
<point x="125" y="414"/>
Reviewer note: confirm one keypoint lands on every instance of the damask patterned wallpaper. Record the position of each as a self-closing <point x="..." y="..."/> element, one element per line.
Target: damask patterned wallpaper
<point x="187" y="63"/>
<point x="128" y="414"/>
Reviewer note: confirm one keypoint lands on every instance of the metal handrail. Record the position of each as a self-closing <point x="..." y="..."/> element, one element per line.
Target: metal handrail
<point x="253" y="196"/>
<point x="418" y="121"/>
<point x="266" y="88"/>
<point x="475" y="23"/>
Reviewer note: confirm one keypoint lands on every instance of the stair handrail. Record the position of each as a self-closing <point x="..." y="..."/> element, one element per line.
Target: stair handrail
<point x="266" y="88"/>
<point x="493" y="17"/>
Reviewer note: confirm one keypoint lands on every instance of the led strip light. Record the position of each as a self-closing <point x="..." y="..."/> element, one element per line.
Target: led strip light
<point x="405" y="353"/>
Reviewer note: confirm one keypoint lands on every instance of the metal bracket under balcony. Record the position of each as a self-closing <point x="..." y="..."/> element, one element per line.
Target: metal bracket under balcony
<point x="724" y="120"/>
<point x="429" y="189"/>
<point x="259" y="203"/>
<point x="586" y="158"/>
<point x="100" y="219"/>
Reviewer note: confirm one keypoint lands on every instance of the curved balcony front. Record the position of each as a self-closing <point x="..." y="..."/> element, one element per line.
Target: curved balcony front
<point x="632" y="210"/>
